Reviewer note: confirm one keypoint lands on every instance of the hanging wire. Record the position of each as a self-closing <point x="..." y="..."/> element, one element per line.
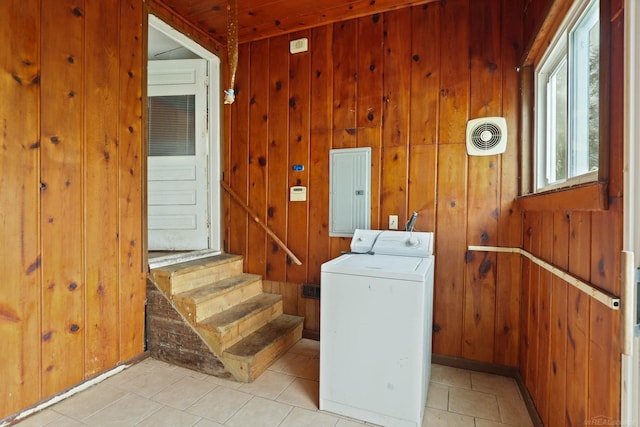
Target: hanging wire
<point x="232" y="49"/>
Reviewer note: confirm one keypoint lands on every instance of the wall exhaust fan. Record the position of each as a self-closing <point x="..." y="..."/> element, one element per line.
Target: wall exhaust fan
<point x="486" y="136"/>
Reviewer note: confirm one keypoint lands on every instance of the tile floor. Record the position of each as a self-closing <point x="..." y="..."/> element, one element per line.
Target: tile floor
<point x="153" y="393"/>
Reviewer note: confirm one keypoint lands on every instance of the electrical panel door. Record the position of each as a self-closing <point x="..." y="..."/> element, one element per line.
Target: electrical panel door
<point x="349" y="190"/>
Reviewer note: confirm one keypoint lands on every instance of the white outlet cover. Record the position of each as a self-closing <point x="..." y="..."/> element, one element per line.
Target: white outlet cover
<point x="299" y="45"/>
<point x="393" y="222"/>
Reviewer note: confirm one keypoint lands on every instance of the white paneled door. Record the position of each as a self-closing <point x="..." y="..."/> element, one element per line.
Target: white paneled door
<point x="177" y="155"/>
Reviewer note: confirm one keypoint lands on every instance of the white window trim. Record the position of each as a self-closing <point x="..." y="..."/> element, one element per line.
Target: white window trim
<point x="550" y="60"/>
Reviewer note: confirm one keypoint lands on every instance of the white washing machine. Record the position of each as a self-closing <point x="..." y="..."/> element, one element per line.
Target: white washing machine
<point x="376" y="314"/>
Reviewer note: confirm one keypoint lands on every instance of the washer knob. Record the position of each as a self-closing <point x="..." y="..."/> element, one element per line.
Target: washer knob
<point x="413" y="241"/>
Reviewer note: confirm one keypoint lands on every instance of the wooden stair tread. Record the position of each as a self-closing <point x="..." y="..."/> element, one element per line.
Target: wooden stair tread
<point x="217" y="288"/>
<point x="228" y="318"/>
<point x="196" y="264"/>
<point x="263" y="337"/>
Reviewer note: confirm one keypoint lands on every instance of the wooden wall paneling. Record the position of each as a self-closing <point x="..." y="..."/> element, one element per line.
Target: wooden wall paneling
<point x="485" y="58"/>
<point x="132" y="181"/>
<point x="580" y="245"/>
<point x="534" y="229"/>
<point x="577" y="356"/>
<point x="510" y="218"/>
<point x="561" y="224"/>
<point x="372" y="137"/>
<point x="101" y="177"/>
<point x="300" y="153"/>
<point x="425" y="85"/>
<point x="527" y="238"/>
<point x="338" y="245"/>
<point x="345" y="83"/>
<point x="506" y="348"/>
<point x="394" y="183"/>
<point x="63" y="289"/>
<point x="483" y="186"/>
<point x="299" y="134"/>
<point x="278" y="146"/>
<point x="606" y="238"/>
<point x="604" y="362"/>
<point x="479" y="307"/>
<point x="557" y="372"/>
<point x="480" y="285"/>
<point x="238" y="172"/>
<point x="423" y="171"/>
<point x="397" y="78"/>
<point x="454" y="75"/>
<point x="322" y="83"/>
<point x="369" y="70"/>
<point x="345" y="69"/>
<point x="450" y="247"/>
<point x="578" y="320"/>
<point x="544" y="318"/>
<point x="395" y="130"/>
<point x="20" y="302"/>
<point x="425" y="74"/>
<point x="258" y="143"/>
<point x="320" y="144"/>
<point x="525" y="339"/>
<point x="369" y="108"/>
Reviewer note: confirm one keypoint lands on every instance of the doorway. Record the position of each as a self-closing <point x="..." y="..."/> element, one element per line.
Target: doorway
<point x="183" y="163"/>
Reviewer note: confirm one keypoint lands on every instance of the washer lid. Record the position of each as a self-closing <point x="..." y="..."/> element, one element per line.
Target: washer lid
<point x="380" y="266"/>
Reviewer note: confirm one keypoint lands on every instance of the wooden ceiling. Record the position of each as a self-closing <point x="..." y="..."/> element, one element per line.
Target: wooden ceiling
<point x="259" y="19"/>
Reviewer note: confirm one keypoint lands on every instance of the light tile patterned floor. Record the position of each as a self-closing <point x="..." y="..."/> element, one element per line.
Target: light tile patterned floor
<point x="153" y="393"/>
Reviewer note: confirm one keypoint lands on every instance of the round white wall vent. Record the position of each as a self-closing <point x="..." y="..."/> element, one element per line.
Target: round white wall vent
<point x="486" y="136"/>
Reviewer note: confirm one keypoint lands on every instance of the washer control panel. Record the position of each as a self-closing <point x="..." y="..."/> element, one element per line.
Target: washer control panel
<point x="401" y="243"/>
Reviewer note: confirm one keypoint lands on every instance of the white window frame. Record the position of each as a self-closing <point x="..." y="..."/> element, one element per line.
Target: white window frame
<point x="559" y="50"/>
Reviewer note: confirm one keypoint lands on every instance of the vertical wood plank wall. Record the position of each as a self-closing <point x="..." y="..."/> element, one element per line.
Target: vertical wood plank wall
<point x="403" y="83"/>
<point x="570" y="346"/>
<point x="71" y="190"/>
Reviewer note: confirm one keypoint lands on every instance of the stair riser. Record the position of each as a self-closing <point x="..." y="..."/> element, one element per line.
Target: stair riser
<point x="194" y="279"/>
<point x="223" y="339"/>
<point x="197" y="311"/>
<point x="247" y="370"/>
<point x="250" y="324"/>
<point x="223" y="302"/>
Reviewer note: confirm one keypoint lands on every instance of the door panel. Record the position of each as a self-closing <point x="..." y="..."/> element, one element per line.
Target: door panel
<point x="177" y="163"/>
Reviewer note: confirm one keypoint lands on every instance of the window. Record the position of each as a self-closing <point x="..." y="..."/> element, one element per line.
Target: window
<point x="567" y="86"/>
<point x="172" y="125"/>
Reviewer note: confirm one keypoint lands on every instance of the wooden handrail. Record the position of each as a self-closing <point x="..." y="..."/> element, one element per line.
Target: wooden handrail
<point x="255" y="217"/>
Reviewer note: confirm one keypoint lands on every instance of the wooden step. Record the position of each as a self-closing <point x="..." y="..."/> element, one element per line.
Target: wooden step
<point x="184" y="276"/>
<point x="205" y="301"/>
<point x="254" y="354"/>
<point x="224" y="329"/>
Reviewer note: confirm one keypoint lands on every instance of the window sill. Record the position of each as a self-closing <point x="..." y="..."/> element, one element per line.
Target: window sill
<point x="587" y="197"/>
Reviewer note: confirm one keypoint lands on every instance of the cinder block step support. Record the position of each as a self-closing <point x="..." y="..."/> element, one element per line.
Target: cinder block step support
<point x="244" y="327"/>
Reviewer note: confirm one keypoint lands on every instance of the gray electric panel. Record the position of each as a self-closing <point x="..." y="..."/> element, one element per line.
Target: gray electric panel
<point x="349" y="190"/>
